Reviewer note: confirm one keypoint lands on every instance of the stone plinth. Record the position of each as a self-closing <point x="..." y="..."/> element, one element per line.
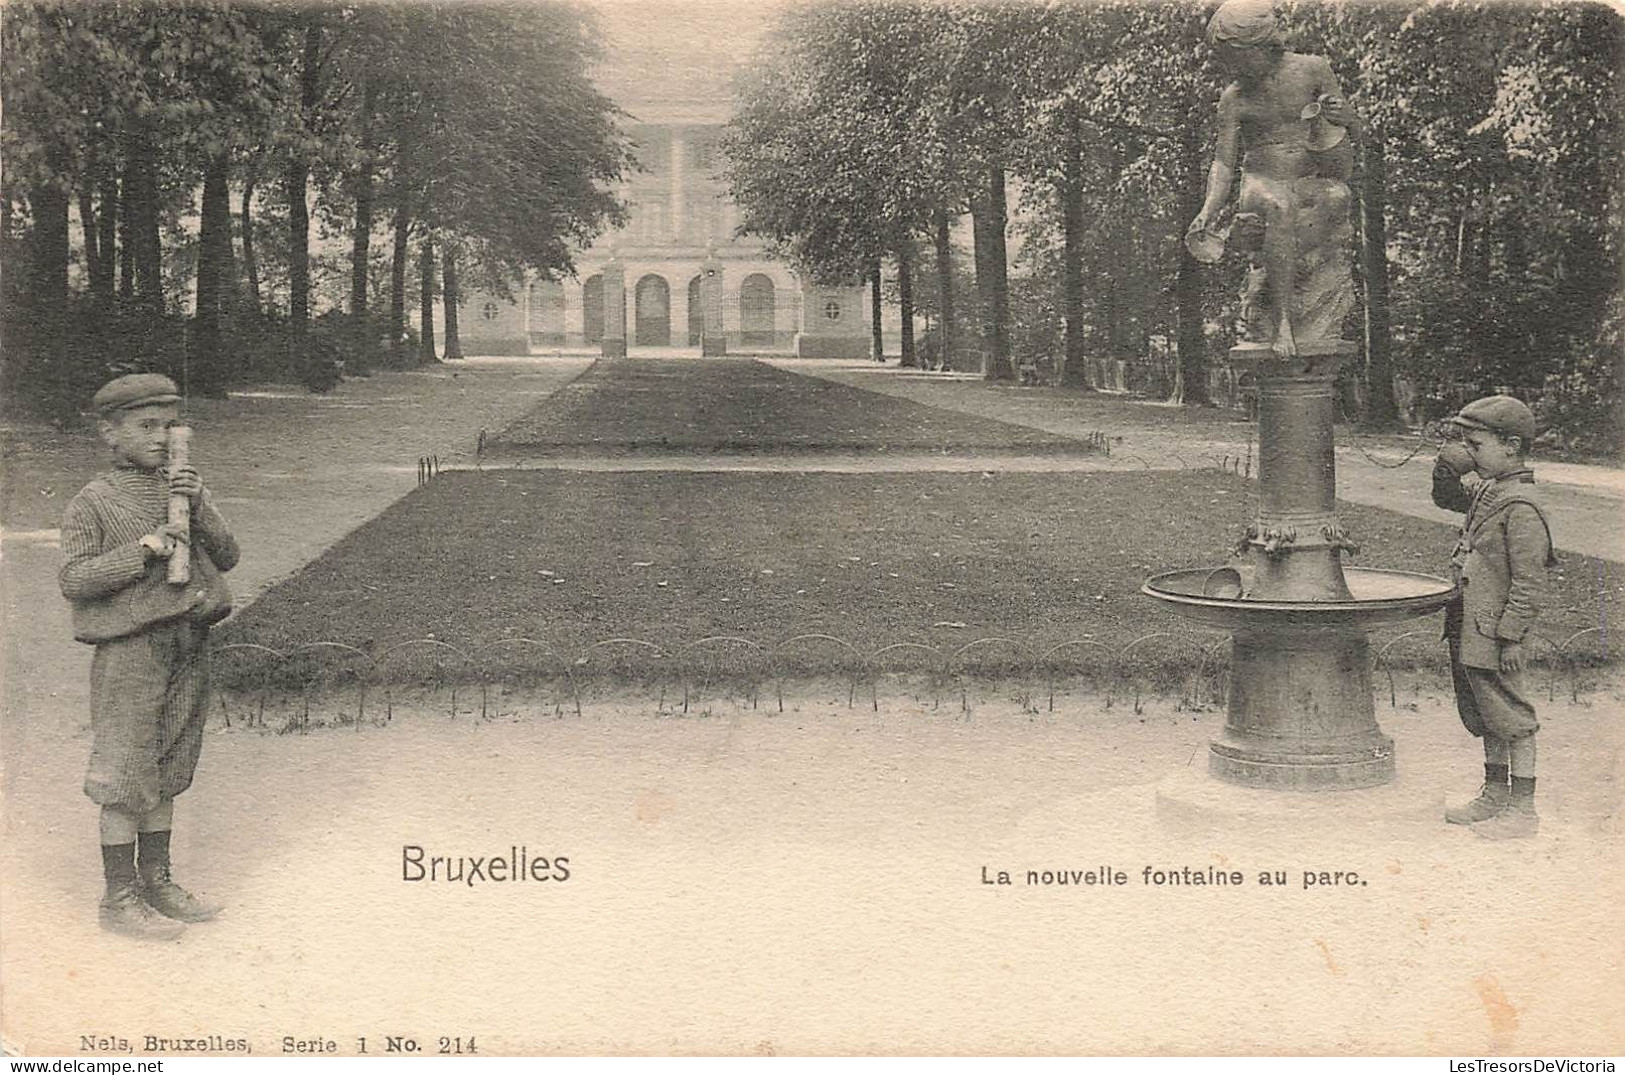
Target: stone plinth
<point x="714" y="336"/>
<point x="614" y="343"/>
<point x="1188" y="804"/>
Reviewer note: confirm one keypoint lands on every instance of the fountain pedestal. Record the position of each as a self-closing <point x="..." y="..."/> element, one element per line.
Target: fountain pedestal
<point x="1300" y="714"/>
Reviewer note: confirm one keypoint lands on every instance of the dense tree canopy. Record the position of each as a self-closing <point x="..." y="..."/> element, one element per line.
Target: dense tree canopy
<point x="1490" y="181"/>
<point x="474" y="128"/>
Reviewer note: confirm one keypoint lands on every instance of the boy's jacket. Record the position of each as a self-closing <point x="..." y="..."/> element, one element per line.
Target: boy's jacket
<point x="1503" y="556"/>
<point x="154" y="599"/>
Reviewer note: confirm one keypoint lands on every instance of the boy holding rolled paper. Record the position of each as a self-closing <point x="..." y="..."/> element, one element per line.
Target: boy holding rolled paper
<point x="144" y="549"/>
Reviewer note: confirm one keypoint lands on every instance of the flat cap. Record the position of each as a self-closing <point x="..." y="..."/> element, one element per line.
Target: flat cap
<point x="1505" y="415"/>
<point x="134" y="390"/>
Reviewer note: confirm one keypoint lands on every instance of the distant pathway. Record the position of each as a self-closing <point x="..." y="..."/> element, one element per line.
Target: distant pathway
<point x="1588" y="502"/>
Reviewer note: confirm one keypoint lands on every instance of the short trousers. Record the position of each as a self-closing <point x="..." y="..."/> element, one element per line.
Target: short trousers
<point x="1492" y="702"/>
<point x="148" y="701"/>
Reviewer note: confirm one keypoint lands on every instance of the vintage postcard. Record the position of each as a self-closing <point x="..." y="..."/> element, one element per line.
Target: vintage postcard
<point x="756" y="527"/>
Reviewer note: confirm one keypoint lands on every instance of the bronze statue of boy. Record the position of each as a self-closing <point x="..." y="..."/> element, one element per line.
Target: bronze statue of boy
<point x="1285" y="119"/>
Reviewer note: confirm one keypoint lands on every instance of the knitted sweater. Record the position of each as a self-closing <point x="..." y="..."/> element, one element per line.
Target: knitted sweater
<point x="104" y="525"/>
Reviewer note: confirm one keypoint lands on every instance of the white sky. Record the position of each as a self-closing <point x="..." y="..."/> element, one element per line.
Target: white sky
<point x="664" y="49"/>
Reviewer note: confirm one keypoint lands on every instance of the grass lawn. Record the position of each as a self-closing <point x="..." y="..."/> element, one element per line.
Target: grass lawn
<point x="941" y="559"/>
<point x="632" y="406"/>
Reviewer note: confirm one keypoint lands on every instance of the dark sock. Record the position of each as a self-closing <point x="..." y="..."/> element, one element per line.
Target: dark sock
<point x="154" y="850"/>
<point x="118" y="865"/>
<point x="1495" y="775"/>
<point x="1523" y="787"/>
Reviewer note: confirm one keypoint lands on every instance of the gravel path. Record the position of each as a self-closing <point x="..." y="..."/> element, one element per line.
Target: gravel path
<point x="1587" y="502"/>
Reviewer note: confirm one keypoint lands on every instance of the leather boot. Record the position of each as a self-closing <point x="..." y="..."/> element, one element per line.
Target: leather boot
<point x="173" y="901"/>
<point x="124" y="912"/>
<point x="1517" y="820"/>
<point x="1492" y="799"/>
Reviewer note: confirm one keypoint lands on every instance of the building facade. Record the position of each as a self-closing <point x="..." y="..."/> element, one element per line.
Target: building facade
<point x="678" y="242"/>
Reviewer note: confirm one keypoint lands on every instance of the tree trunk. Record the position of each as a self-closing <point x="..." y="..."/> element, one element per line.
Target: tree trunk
<point x="251" y="265"/>
<point x="48" y="268"/>
<point x="1523" y="337"/>
<point x="88" y="226"/>
<point x="45" y="300"/>
<point x="126" y="236"/>
<point x="945" y="288"/>
<point x="1461" y="241"/>
<point x="992" y="281"/>
<point x="979" y="266"/>
<point x="1382" y="410"/>
<point x="1483" y="240"/>
<point x="426" y="355"/>
<point x="877" y="340"/>
<point x="1075" y="369"/>
<point x="1192" y="339"/>
<point x="905" y="297"/>
<point x="107" y="229"/>
<point x="449" y="299"/>
<point x="141" y="199"/>
<point x="361" y="240"/>
<point x="397" y="283"/>
<point x="1516" y="249"/>
<point x="1116" y="289"/>
<point x="214" y="279"/>
<point x="297" y="182"/>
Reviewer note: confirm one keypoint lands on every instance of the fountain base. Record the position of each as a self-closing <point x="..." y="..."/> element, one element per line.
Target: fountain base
<point x="1300" y="715"/>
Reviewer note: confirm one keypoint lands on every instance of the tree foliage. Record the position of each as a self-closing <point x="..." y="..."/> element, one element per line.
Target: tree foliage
<point x="475" y="126"/>
<point x="1493" y="199"/>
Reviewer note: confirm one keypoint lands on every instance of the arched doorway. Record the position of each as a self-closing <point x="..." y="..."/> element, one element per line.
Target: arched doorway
<point x="696" y="313"/>
<point x="592" y="310"/>
<point x="756" y="310"/>
<point x="654" y="311"/>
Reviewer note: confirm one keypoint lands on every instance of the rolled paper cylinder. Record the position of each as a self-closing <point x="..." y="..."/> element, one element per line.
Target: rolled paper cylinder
<point x="180" y="508"/>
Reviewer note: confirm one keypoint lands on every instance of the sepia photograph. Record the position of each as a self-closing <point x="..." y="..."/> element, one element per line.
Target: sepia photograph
<point x="812" y="528"/>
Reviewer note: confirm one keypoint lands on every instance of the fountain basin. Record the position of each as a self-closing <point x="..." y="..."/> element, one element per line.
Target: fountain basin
<point x="1379" y="597"/>
<point x="1299" y="716"/>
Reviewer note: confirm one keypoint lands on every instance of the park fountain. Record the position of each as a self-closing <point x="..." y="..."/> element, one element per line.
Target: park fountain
<point x="1300" y="712"/>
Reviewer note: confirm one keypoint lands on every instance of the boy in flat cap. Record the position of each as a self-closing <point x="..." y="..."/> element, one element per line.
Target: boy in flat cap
<point x="149" y="677"/>
<point x="1501" y="563"/>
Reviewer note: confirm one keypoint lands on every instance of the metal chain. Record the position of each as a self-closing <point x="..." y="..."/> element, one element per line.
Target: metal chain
<point x="1429" y="436"/>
